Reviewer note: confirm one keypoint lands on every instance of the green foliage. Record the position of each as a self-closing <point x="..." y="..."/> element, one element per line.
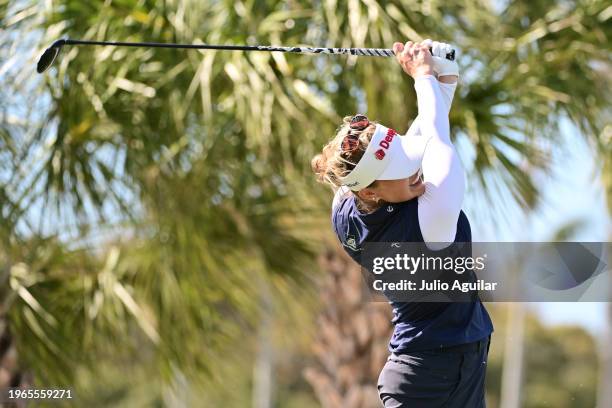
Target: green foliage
<point x="560" y="365"/>
<point x="147" y="196"/>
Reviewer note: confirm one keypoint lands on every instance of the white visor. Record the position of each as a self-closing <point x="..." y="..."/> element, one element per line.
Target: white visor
<point x="389" y="156"/>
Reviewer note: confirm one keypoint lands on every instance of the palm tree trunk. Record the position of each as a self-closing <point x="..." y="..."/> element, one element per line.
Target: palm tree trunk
<point x="6" y="350"/>
<point x="513" y="357"/>
<point x="351" y="347"/>
<point x="263" y="370"/>
<point x="10" y="374"/>
<point x="604" y="398"/>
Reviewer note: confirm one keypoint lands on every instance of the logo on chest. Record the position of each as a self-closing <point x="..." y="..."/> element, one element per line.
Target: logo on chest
<point x="351" y="242"/>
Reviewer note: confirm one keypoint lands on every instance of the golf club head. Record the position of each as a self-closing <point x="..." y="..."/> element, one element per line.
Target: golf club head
<point x="47" y="58"/>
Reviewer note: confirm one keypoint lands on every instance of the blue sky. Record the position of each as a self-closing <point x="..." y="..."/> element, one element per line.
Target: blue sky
<point x="575" y="193"/>
<point x="572" y="191"/>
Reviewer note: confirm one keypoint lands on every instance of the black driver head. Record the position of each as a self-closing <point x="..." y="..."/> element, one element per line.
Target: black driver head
<point x="46" y="60"/>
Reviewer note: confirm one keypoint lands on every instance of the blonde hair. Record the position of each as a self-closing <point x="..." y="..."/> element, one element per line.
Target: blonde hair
<point x="332" y="163"/>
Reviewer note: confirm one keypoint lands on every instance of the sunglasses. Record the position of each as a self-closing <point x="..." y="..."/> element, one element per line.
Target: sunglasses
<point x="351" y="141"/>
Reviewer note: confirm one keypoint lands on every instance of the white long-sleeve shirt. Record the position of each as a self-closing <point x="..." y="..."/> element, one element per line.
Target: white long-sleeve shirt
<point x="443" y="173"/>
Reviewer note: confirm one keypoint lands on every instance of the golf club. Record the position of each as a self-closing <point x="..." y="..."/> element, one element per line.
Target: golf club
<point x="47" y="58"/>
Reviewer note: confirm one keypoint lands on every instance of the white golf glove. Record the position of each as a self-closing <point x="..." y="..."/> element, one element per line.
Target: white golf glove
<point x="441" y="65"/>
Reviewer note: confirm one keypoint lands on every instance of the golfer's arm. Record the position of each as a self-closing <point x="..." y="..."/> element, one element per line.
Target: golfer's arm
<point x="448" y="85"/>
<point x="443" y="173"/>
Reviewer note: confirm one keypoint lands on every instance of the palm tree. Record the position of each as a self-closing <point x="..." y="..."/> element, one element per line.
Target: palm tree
<point x="352" y="344"/>
<point x="172" y="179"/>
<point x="520" y="63"/>
<point x="170" y="277"/>
<point x="604" y="397"/>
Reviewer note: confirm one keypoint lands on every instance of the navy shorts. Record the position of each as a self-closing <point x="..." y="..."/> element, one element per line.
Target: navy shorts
<point x="451" y="377"/>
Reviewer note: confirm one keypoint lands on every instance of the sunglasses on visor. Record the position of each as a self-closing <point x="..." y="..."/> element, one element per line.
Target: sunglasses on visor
<point x="351" y="141"/>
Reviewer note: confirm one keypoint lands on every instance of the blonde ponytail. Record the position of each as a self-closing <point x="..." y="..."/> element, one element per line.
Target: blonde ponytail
<point x="332" y="164"/>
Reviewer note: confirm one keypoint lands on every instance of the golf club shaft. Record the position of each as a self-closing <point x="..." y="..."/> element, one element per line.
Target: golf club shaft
<point x="373" y="52"/>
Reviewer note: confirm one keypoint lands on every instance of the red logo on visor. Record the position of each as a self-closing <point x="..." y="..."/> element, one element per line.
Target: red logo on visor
<point x="384" y="144"/>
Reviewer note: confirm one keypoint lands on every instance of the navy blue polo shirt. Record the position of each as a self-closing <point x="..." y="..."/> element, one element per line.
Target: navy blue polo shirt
<point x="417" y="325"/>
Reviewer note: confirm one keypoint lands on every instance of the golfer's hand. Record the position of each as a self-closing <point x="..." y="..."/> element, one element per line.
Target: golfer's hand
<point x="446" y="70"/>
<point x="414" y="58"/>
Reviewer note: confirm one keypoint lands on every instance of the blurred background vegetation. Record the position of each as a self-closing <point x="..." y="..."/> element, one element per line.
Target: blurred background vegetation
<point x="162" y="241"/>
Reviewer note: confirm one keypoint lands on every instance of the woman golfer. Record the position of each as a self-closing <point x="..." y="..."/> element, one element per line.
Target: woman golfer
<point x="392" y="188"/>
